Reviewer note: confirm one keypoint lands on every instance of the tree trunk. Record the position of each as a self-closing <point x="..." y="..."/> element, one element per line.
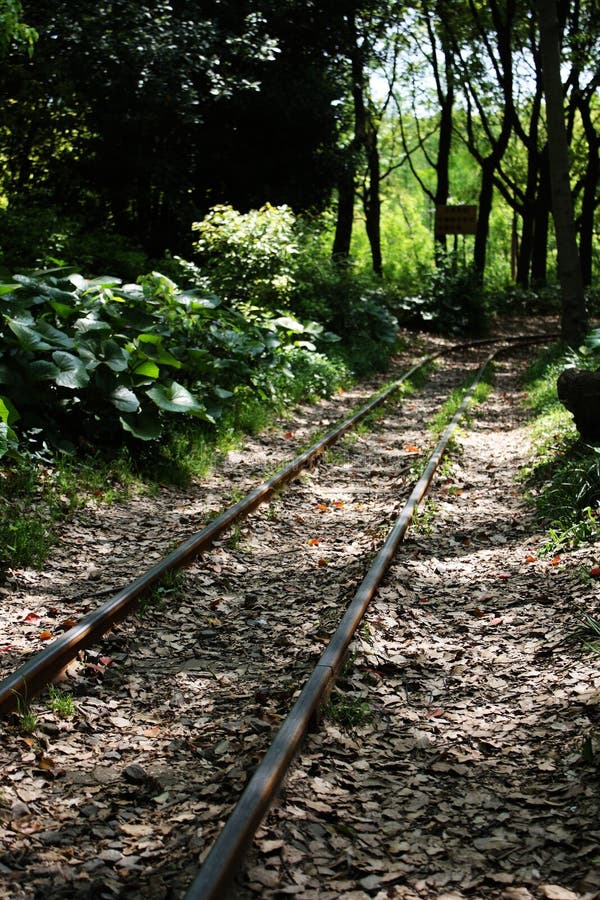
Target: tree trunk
<point x="539" y="255"/>
<point x="573" y="314"/>
<point x="486" y="196"/>
<point x="345" y="216"/>
<point x="590" y="187"/>
<point x="372" y="200"/>
<point x="525" y="247"/>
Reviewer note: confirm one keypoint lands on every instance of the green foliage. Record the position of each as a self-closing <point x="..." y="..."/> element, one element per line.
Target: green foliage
<point x="61" y="702"/>
<point x="564" y="476"/>
<point x="452" y="302"/>
<point x="13" y="29"/>
<point x="40" y="234"/>
<point x="92" y="358"/>
<point x="249" y="256"/>
<point x="348" y="712"/>
<point x="270" y="258"/>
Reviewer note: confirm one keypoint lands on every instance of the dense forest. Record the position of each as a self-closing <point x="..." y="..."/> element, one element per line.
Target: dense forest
<point x="201" y="203"/>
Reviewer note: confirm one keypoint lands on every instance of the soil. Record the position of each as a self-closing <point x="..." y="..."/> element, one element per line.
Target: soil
<point x="457" y="757"/>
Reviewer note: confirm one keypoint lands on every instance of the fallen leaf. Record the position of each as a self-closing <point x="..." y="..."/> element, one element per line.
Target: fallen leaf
<point x="45" y="635"/>
<point x="314" y="542"/>
<point x="31" y="617"/>
<point x="595" y="572"/>
<point x="555" y="560"/>
<point x="556" y="892"/>
<point x="530" y="558"/>
<point x="322" y="507"/>
<point x="338" y="504"/>
<point x="322" y="562"/>
<point x="410" y="448"/>
<point x="288" y="435"/>
<point x="136" y="830"/>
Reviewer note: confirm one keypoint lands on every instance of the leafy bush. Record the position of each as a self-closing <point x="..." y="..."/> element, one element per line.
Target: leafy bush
<point x="451" y="302"/>
<point x="267" y="258"/>
<point x="87" y="360"/>
<point x="249" y="256"/>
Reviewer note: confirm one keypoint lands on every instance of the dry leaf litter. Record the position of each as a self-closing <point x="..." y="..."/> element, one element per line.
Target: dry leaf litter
<point x="467" y="779"/>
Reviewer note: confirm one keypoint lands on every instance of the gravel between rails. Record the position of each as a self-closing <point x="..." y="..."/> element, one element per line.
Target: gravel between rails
<point x="175" y="708"/>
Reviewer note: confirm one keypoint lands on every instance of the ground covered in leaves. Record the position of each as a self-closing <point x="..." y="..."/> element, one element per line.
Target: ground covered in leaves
<point x="452" y="760"/>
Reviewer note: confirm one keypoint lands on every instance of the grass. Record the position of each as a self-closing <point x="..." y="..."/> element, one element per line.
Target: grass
<point x="424" y="518"/>
<point x="169" y="585"/>
<point x="39" y="491"/>
<point x="27" y="719"/>
<point x="348" y="712"/>
<point x="61" y="703"/>
<point x="452" y="405"/>
<point x="563" y="478"/>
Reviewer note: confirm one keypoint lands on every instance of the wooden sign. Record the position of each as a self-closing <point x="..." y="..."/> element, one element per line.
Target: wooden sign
<point x="455" y="219"/>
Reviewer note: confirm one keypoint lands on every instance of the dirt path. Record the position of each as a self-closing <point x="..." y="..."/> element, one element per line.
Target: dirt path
<point x="465" y="780"/>
<point x="468" y="779"/>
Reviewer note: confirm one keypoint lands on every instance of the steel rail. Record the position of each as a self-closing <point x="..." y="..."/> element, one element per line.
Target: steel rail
<point x="220" y="866"/>
<point x="30" y="678"/>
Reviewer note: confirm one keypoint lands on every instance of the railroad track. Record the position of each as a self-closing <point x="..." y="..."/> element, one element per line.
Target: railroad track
<point x="202" y="709"/>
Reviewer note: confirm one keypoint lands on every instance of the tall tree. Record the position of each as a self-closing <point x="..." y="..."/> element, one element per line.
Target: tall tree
<point x="484" y="49"/>
<point x="573" y="311"/>
<point x="435" y="52"/>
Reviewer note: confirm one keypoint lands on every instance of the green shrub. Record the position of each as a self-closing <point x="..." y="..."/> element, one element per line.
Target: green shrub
<point x="90" y="360"/>
<point x="249" y="257"/>
<point x="452" y="302"/>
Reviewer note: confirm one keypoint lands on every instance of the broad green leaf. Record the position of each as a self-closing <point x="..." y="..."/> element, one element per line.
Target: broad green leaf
<point x="87" y="353"/>
<point x="8" y="289"/>
<point x="114" y="356"/>
<point x="8" y="413"/>
<point x="54" y="336"/>
<point x="174" y="397"/>
<point x="148" y="369"/>
<point x="78" y="281"/>
<point x="154" y="351"/>
<point x="62" y="309"/>
<point x="308" y="345"/>
<point x="288" y="324"/>
<point x="313" y="328"/>
<point x="223" y="393"/>
<point x="27" y="334"/>
<point x="144" y="425"/>
<point x="72" y="372"/>
<point x="199" y="360"/>
<point x="164" y="358"/>
<point x="91" y="322"/>
<point x="45" y="290"/>
<point x="195" y="300"/>
<point x="149" y="338"/>
<point x="125" y="400"/>
<point x="104" y="281"/>
<point x="8" y="439"/>
<point x="43" y="370"/>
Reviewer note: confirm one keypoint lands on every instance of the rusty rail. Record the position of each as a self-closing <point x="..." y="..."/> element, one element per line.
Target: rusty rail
<point x="225" y="857"/>
<point x="28" y="680"/>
